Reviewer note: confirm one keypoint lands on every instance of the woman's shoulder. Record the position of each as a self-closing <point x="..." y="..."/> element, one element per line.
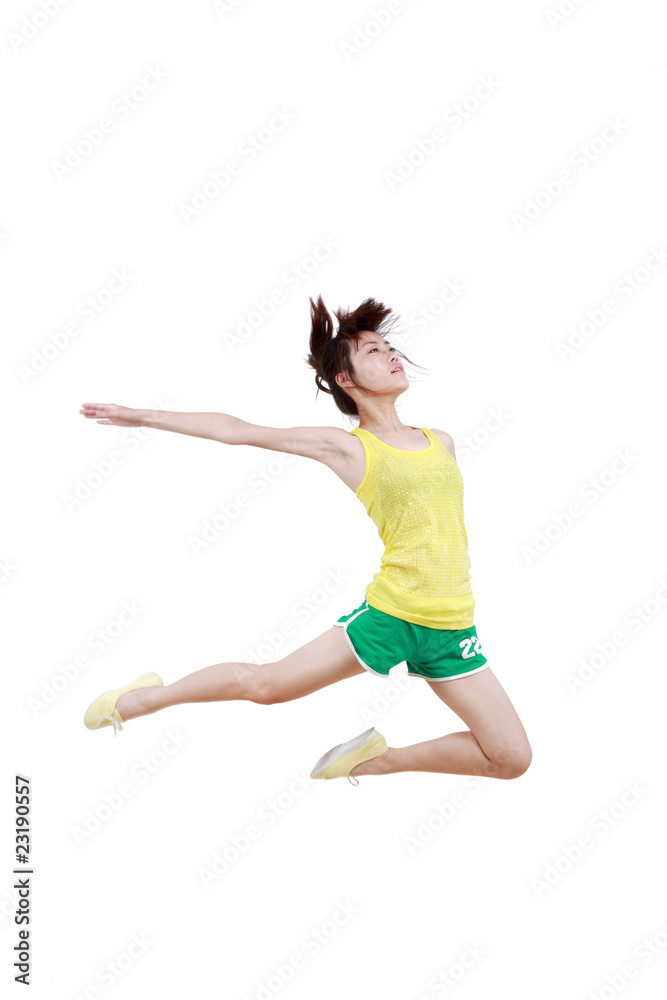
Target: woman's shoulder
<point x="445" y="439"/>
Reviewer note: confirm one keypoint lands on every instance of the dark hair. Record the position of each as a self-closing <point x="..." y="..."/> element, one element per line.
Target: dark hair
<point x="330" y="354"/>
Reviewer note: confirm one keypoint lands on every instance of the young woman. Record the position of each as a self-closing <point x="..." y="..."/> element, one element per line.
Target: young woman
<point x="418" y="607"/>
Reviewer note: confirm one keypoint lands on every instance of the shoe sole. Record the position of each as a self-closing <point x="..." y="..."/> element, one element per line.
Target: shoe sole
<point x="337" y="752"/>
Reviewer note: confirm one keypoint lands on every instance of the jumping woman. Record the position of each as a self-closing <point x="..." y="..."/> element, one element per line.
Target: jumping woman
<point x="418" y="607"/>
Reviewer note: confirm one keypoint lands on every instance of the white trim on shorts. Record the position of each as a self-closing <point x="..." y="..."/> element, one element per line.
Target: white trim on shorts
<point x="453" y="678"/>
<point x="350" y="644"/>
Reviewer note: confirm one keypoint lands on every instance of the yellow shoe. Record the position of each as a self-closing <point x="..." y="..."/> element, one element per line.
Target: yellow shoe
<point x="339" y="761"/>
<point x="103" y="712"/>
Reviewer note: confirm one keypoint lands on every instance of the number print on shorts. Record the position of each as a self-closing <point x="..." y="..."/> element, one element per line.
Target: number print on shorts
<point x="465" y="645"/>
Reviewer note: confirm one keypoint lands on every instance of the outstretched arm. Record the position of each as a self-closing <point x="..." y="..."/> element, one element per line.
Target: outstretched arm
<point x="216" y="426"/>
<point x="311" y="442"/>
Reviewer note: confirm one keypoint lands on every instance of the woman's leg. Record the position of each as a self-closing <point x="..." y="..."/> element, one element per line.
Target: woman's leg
<point x="324" y="660"/>
<point x="495" y="747"/>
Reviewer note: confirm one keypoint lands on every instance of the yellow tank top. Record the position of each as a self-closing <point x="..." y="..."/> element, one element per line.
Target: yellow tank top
<point x="415" y="499"/>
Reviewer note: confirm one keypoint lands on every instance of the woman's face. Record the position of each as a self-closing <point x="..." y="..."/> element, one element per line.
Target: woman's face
<point x="376" y="365"/>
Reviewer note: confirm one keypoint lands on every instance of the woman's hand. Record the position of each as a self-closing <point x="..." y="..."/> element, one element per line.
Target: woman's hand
<point x="120" y="416"/>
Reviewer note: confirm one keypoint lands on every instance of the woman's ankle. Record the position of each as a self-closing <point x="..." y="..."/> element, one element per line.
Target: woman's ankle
<point x="376" y="765"/>
<point x="133" y="704"/>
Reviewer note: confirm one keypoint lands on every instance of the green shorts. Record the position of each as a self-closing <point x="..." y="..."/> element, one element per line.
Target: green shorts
<point x="380" y="641"/>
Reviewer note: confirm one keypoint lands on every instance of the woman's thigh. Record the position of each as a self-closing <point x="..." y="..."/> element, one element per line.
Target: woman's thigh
<point x="322" y="661"/>
<point x="481" y="702"/>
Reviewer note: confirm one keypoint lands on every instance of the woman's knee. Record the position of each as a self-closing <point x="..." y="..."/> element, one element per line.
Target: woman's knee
<point x="510" y="761"/>
<point x="261" y="685"/>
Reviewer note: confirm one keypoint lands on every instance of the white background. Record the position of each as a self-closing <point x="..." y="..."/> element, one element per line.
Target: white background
<point x="494" y="880"/>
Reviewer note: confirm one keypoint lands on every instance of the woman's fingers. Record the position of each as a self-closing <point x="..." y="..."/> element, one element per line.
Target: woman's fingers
<point x="95" y="409"/>
<point x="110" y="413"/>
<point x="106" y="411"/>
